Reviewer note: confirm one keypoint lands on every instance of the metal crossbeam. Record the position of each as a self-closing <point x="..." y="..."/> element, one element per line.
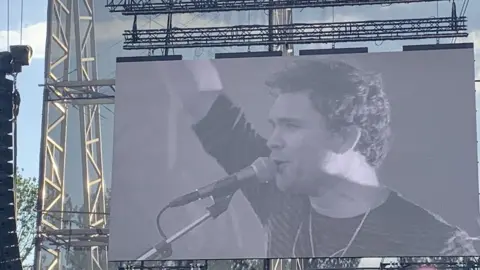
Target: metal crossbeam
<point x="305" y="33"/>
<point x="79" y="238"/>
<point x="83" y="92"/>
<point x="148" y="7"/>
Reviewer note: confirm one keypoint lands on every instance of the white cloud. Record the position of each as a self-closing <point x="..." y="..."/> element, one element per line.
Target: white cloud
<point x="340" y="18"/>
<point x="113" y="29"/>
<point x="474" y="37"/>
<point x="33" y="35"/>
<point x="328" y="19"/>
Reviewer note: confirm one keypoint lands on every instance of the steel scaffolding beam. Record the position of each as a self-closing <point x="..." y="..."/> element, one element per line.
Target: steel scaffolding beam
<point x="147" y="7"/>
<point x="70" y="75"/>
<point x="90" y="138"/>
<point x="304" y="33"/>
<point x="282" y="17"/>
<point x="53" y="148"/>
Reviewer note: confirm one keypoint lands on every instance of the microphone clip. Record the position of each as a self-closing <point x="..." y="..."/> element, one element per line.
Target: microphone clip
<point x="163" y="249"/>
<point x="219" y="206"/>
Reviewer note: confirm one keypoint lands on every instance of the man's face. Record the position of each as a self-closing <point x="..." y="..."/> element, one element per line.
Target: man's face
<point x="299" y="142"/>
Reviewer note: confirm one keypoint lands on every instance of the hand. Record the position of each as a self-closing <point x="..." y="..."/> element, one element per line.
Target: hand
<point x="205" y="75"/>
<point x="196" y="84"/>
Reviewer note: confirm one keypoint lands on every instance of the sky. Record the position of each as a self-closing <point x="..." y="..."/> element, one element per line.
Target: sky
<point x="29" y="121"/>
<point x="109" y="37"/>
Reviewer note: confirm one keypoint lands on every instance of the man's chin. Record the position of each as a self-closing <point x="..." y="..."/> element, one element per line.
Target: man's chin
<point x="284" y="184"/>
<point x="291" y="185"/>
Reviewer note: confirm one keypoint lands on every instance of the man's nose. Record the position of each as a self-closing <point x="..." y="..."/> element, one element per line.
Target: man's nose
<point x="275" y="141"/>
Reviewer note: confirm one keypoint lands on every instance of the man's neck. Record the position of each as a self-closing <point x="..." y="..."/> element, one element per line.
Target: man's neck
<point x="355" y="189"/>
<point x="348" y="200"/>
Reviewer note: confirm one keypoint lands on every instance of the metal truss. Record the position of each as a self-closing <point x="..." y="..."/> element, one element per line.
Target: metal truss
<point x="71" y="80"/>
<point x="148" y="7"/>
<point x="305" y="33"/>
<point x="282" y="17"/>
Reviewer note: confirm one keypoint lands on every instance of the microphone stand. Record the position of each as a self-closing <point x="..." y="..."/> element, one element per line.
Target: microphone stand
<point x="163" y="249"/>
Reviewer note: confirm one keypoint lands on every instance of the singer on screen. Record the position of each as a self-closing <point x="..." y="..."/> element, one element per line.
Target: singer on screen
<point x="330" y="133"/>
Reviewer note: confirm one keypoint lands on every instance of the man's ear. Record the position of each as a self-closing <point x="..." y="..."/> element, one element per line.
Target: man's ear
<point x="346" y="139"/>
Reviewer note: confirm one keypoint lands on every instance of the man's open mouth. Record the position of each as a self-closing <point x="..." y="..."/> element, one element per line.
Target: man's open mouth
<point x="280" y="165"/>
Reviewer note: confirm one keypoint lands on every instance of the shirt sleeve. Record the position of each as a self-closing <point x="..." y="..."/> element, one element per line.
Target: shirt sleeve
<point x="230" y="139"/>
<point x="401" y="227"/>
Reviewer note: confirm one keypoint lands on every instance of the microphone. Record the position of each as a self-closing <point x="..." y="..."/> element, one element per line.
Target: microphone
<point x="262" y="169"/>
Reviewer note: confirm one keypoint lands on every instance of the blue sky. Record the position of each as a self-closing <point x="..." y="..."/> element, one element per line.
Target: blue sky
<point x="29" y="121"/>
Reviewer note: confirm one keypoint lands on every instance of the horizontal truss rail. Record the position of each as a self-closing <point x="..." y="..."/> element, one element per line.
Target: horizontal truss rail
<point x="147" y="7"/>
<point x="80" y="92"/>
<point x="299" y="33"/>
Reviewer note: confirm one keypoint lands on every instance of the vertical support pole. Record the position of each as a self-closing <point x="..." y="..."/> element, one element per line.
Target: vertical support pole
<point x="53" y="135"/>
<point x="90" y="137"/>
<point x="283" y="17"/>
<point x="266" y="264"/>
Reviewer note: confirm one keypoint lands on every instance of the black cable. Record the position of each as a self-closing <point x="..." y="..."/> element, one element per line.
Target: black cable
<point x="16" y="108"/>
<point x="16" y="103"/>
<point x="15" y="173"/>
<point x="159" y="227"/>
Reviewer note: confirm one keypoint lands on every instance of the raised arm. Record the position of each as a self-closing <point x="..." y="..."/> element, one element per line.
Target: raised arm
<point x="227" y="136"/>
<point x="195" y="83"/>
<point x="221" y="127"/>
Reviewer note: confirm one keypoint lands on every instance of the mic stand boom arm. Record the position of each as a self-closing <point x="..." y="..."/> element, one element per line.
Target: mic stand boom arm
<point x="163" y="249"/>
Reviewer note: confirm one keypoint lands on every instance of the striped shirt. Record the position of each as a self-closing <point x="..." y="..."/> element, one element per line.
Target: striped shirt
<point x="396" y="228"/>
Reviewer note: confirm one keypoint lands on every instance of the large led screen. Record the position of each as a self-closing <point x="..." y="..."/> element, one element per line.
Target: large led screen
<point x="353" y="155"/>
